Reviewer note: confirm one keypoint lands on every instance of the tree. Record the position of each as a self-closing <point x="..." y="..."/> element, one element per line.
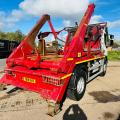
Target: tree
<point x="13" y="36"/>
<point x="19" y="35"/>
<point x="10" y="36"/>
<point x="3" y="35"/>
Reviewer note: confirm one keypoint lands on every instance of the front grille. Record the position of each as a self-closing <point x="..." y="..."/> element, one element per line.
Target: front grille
<point x="52" y="80"/>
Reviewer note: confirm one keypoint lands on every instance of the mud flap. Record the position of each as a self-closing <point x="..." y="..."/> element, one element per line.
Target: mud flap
<point x="53" y="108"/>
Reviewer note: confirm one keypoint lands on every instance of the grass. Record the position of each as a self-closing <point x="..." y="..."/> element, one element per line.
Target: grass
<point x="114" y="55"/>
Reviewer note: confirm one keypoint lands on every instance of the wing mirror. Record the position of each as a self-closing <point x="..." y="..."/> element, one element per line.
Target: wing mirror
<point x="111" y="40"/>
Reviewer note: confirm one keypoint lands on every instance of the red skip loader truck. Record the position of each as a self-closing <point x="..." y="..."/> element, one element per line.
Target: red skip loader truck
<point x="65" y="67"/>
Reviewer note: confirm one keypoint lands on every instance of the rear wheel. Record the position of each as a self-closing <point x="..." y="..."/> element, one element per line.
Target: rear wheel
<point x="77" y="85"/>
<point x="104" y="68"/>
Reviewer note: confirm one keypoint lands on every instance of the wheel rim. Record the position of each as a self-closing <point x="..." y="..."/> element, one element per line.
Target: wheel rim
<point x="80" y="85"/>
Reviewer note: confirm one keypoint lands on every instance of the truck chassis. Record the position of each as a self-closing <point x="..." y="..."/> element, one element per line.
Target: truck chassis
<point x="64" y="72"/>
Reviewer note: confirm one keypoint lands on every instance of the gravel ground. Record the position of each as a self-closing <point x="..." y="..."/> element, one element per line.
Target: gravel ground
<point x="101" y="102"/>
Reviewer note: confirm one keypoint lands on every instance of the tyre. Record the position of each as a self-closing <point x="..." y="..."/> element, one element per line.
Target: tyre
<point x="104" y="69"/>
<point x="77" y="85"/>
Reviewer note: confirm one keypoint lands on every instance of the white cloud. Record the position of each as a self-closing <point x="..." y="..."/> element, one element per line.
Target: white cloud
<point x="67" y="23"/>
<point x="15" y="16"/>
<point x="1" y="25"/>
<point x="99" y="18"/>
<point x="56" y="8"/>
<point x="114" y="24"/>
<point x="9" y="21"/>
<point x="96" y="19"/>
<point x="69" y="10"/>
<point x="2" y="17"/>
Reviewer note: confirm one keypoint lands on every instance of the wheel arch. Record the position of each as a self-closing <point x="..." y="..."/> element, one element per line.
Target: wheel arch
<point x="81" y="66"/>
<point x="106" y="59"/>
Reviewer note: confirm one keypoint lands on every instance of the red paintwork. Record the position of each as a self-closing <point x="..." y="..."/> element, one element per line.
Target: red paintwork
<point x="21" y="61"/>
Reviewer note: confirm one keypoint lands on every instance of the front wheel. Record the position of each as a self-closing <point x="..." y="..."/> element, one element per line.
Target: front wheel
<point x="77" y="85"/>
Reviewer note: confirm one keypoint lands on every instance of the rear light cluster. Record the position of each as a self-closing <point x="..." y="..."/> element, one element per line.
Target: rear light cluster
<point x="52" y="80"/>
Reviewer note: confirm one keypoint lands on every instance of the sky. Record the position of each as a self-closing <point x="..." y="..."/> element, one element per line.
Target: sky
<point x="23" y="14"/>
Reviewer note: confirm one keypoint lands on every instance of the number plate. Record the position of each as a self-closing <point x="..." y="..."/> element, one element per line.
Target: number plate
<point x="30" y="80"/>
